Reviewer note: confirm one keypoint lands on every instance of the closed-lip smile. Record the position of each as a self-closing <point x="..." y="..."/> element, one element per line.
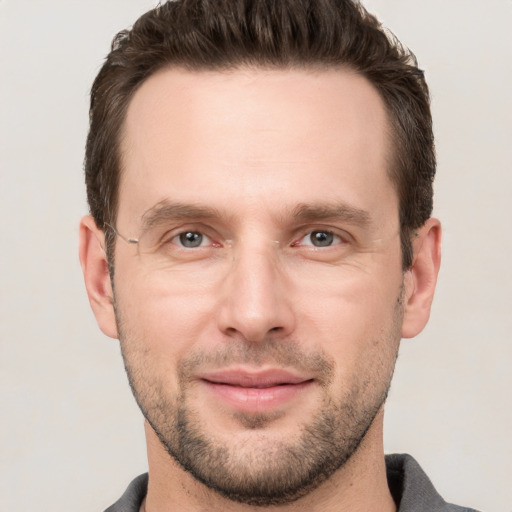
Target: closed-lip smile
<point x="255" y="390"/>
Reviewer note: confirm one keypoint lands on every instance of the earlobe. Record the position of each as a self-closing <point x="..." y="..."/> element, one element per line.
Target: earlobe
<point x="421" y="278"/>
<point x="93" y="260"/>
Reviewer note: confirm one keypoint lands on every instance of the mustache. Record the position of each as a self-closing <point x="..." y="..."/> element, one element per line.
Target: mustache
<point x="277" y="353"/>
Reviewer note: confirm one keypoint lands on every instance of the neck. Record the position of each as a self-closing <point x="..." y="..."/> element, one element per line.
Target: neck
<point x="359" y="486"/>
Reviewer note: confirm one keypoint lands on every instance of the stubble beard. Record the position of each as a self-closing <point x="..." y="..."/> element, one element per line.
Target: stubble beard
<point x="266" y="472"/>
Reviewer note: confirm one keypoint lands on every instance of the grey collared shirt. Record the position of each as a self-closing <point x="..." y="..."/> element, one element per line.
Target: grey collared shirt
<point x="410" y="486"/>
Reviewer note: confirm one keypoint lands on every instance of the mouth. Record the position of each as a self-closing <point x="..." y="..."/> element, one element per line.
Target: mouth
<point x="255" y="391"/>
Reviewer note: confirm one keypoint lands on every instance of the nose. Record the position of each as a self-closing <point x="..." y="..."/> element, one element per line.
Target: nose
<point x="256" y="296"/>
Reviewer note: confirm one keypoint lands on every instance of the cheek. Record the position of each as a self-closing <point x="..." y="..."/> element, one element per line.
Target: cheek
<point x="167" y="316"/>
<point x="354" y="319"/>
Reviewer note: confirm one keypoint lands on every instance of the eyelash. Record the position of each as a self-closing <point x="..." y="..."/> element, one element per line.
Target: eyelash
<point x="337" y="238"/>
<point x="332" y="237"/>
<point x="174" y="238"/>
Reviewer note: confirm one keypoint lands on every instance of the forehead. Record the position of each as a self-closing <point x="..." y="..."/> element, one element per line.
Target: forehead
<point x="268" y="136"/>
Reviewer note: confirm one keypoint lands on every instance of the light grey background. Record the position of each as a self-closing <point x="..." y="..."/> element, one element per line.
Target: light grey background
<point x="71" y="436"/>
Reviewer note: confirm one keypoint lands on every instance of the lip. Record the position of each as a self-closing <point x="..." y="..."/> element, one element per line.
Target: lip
<point x="255" y="391"/>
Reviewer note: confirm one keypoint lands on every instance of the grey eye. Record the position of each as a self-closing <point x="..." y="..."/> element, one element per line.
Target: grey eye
<point x="191" y="239"/>
<point x="321" y="238"/>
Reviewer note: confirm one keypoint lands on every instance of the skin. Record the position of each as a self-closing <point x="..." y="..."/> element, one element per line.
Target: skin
<point x="251" y="148"/>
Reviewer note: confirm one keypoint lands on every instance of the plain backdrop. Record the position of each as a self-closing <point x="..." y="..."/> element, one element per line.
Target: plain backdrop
<point x="71" y="436"/>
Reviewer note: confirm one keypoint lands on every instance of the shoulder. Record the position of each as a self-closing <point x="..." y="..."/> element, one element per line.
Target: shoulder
<point x="132" y="498"/>
<point x="412" y="489"/>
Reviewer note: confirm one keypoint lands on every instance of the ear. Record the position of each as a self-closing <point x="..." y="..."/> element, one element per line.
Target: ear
<point x="93" y="260"/>
<point x="421" y="278"/>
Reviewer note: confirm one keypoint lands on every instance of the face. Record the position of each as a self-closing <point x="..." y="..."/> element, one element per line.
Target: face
<point x="260" y="312"/>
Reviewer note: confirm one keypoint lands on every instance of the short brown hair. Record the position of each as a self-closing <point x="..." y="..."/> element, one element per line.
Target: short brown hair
<point x="226" y="34"/>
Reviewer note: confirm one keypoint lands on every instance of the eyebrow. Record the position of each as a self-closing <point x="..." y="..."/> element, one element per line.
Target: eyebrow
<point x="337" y="211"/>
<point x="166" y="210"/>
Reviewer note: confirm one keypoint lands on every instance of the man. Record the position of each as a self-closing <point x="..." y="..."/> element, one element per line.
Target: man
<point x="259" y="175"/>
